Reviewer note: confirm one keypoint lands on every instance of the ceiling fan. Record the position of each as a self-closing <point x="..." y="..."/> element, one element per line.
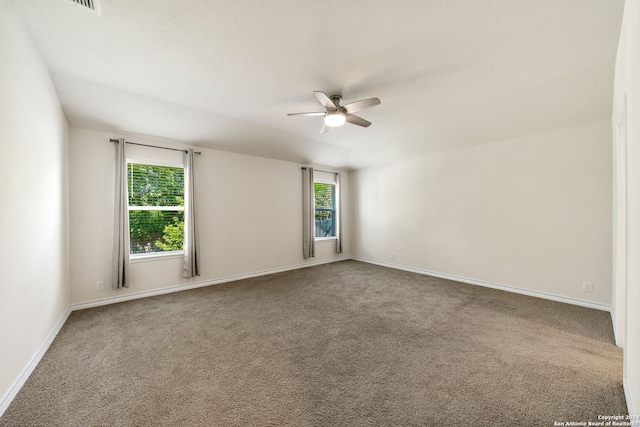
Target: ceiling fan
<point x="336" y="114"/>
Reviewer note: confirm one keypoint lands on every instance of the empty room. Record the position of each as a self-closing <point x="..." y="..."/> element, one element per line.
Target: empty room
<point x="318" y="213"/>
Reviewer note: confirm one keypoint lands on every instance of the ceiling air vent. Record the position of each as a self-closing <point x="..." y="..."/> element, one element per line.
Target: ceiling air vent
<point x="89" y="5"/>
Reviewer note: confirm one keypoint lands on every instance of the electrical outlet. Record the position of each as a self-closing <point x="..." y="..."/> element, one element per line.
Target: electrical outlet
<point x="393" y="255"/>
<point x="100" y="286"/>
<point x="587" y="287"/>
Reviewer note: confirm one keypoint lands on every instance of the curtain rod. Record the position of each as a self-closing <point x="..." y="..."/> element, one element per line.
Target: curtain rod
<point x="319" y="170"/>
<point x="154" y="146"/>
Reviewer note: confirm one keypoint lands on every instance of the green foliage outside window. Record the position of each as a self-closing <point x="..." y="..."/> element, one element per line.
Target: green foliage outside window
<point x="325" y="209"/>
<point x="159" y="186"/>
<point x="173" y="236"/>
<point x="324" y="194"/>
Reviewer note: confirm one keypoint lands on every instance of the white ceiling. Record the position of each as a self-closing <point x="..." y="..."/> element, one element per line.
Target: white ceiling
<point x="224" y="74"/>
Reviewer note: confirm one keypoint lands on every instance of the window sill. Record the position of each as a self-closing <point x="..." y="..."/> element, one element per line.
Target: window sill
<point x="155" y="256"/>
<point x="324" y="239"/>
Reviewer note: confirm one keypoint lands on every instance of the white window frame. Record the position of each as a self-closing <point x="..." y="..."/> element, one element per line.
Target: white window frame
<point x="317" y="179"/>
<point x="153" y="256"/>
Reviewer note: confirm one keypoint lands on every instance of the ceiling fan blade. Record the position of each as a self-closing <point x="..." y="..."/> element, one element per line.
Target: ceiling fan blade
<point x="356" y="120"/>
<point x="324" y="128"/>
<point x="306" y="114"/>
<point x="361" y="105"/>
<point x="325" y="100"/>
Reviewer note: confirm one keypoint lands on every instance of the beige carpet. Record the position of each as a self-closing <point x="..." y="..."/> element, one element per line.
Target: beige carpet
<point x="346" y="343"/>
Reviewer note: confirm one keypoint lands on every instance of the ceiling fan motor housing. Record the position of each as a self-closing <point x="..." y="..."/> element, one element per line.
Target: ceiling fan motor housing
<point x="337" y="101"/>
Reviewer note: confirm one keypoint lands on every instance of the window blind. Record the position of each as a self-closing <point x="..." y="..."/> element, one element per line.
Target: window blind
<point x="156" y="208"/>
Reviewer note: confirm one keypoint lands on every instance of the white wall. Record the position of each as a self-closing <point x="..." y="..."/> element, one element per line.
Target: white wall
<point x="532" y="213"/>
<point x="34" y="291"/>
<point x="627" y="81"/>
<point x="250" y="217"/>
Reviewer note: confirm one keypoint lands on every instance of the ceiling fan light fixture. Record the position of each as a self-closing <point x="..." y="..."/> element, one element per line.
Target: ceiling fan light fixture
<point x="334" y="118"/>
<point x="336" y="114"/>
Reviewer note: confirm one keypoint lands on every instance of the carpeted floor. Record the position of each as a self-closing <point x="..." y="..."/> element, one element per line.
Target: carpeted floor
<point x="346" y="343"/>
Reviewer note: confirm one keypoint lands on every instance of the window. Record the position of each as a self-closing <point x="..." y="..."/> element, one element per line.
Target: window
<point x="325" y="207"/>
<point x="156" y="208"/>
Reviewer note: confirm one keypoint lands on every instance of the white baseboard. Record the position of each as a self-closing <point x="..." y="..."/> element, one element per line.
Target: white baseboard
<point x="178" y="288"/>
<point x="8" y="397"/>
<point x="630" y="407"/>
<point x="543" y="295"/>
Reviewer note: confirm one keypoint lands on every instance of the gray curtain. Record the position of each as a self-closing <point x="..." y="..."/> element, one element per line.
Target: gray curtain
<point x="308" y="214"/>
<point x="338" y="214"/>
<point x="120" y="277"/>
<point x="191" y="265"/>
